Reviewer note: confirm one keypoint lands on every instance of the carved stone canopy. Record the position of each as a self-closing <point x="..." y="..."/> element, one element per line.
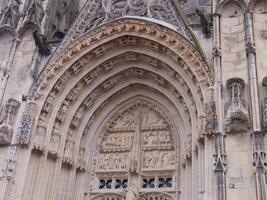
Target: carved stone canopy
<point x="235" y="81"/>
<point x="98" y="12"/>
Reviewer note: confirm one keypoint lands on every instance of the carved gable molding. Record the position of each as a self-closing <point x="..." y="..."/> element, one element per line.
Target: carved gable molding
<point x="98" y="12"/>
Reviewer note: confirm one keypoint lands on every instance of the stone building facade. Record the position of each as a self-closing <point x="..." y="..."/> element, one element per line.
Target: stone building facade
<point x="133" y="99"/>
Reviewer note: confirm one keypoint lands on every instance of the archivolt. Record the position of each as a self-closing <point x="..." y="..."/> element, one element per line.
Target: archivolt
<point x="127" y="57"/>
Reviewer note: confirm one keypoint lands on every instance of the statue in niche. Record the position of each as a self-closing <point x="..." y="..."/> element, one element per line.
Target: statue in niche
<point x="11" y="14"/>
<point x="55" y="140"/>
<point x="69" y="148"/>
<point x="237" y="119"/>
<point x="8" y="117"/>
<point x="40" y="133"/>
<point x="36" y="12"/>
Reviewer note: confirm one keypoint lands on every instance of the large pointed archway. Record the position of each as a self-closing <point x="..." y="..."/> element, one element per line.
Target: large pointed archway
<point x="91" y="104"/>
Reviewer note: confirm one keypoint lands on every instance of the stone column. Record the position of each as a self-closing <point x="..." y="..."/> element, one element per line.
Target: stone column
<point x="259" y="161"/>
<point x="219" y="167"/>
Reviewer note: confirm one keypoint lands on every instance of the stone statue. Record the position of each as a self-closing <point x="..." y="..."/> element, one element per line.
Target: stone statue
<point x="11" y="14"/>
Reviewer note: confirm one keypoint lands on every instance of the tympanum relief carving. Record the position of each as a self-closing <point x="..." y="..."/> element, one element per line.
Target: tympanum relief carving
<point x="137" y="141"/>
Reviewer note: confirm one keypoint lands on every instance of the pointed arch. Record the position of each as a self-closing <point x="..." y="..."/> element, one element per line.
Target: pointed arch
<point x="240" y="4"/>
<point x="119" y="61"/>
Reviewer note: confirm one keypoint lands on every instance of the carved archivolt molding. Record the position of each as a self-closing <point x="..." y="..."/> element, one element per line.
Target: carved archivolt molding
<point x="103" y="60"/>
<point x="164" y="36"/>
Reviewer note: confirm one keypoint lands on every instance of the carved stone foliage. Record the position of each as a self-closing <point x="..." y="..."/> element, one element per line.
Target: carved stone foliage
<point x="137" y="138"/>
<point x="8" y="117"/>
<point x="236" y="113"/>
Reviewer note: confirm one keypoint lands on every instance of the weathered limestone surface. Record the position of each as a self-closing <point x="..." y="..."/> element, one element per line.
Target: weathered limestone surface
<point x="133" y="99"/>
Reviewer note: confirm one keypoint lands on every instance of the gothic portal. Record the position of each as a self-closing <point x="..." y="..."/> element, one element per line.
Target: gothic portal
<point x="136" y="151"/>
<point x="133" y="99"/>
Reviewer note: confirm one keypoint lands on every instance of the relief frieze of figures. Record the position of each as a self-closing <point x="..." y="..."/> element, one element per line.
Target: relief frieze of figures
<point x="117" y="142"/>
<point x="117" y="161"/>
<point x="157" y="140"/>
<point x="159" y="159"/>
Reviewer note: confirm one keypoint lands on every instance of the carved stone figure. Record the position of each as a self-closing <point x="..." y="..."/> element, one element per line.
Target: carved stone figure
<point x="68" y="153"/>
<point x="36" y="12"/>
<point x="24" y="135"/>
<point x="40" y="134"/>
<point x="11" y="13"/>
<point x="55" y="141"/>
<point x="8" y="117"/>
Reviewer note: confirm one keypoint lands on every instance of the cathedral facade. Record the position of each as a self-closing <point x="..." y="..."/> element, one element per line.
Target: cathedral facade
<point x="133" y="99"/>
